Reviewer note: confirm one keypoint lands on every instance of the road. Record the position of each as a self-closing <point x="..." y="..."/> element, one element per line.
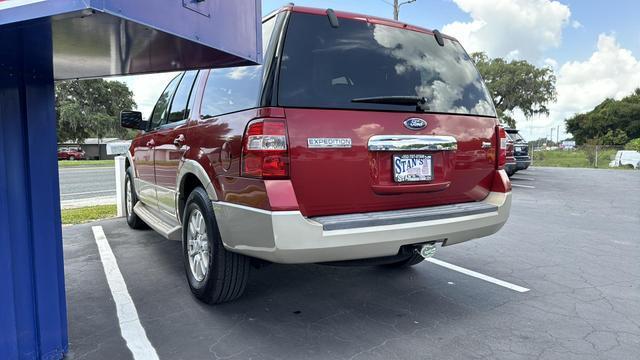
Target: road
<point x="87" y="185"/>
<point x="572" y="240"/>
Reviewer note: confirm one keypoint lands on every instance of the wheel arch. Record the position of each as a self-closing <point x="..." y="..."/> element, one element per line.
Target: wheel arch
<point x="190" y="176"/>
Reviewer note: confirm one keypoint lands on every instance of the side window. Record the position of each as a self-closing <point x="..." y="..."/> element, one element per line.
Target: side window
<point x="237" y="88"/>
<point x="179" y="106"/>
<point x="160" y="110"/>
<point x="230" y="90"/>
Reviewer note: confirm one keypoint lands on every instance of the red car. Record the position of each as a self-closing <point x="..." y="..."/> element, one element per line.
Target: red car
<point x="360" y="140"/>
<point x="71" y="154"/>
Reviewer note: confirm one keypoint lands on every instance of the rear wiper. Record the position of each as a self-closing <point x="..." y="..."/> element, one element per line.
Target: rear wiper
<point x="419" y="102"/>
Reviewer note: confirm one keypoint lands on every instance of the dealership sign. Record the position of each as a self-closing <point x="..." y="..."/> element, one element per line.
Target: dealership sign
<point x="118" y="148"/>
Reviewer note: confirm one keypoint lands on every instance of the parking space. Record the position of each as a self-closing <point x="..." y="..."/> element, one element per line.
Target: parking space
<point x="572" y="241"/>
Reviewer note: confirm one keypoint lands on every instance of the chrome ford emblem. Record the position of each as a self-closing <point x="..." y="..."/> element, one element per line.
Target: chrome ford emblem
<point x="415" y="124"/>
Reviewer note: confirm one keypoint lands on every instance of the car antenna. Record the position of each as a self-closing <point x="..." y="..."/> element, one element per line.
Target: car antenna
<point x="438" y="35"/>
<point x="333" y="19"/>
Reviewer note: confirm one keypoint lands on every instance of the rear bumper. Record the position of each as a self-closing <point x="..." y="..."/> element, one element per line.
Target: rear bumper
<point x="523" y="162"/>
<point x="289" y="237"/>
<point x="511" y="167"/>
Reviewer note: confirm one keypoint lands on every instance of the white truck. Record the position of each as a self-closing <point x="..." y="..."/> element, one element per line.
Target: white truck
<point x="626" y="158"/>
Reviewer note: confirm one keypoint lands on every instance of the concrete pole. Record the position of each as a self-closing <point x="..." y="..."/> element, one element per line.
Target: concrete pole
<point x="396" y="9"/>
<point x="120" y="177"/>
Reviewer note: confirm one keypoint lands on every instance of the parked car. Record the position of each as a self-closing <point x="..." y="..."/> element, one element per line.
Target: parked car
<point x="630" y="158"/>
<point x="520" y="149"/>
<point x="71" y="154"/>
<point x="344" y="147"/>
<point x="511" y="166"/>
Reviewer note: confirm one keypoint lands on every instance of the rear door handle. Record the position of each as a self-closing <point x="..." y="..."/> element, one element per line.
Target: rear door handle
<point x="179" y="141"/>
<point x="486" y="144"/>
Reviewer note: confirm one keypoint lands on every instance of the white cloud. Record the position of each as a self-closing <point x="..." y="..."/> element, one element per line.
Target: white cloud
<point x="239" y="73"/>
<point x="610" y="72"/>
<point x="576" y="24"/>
<point x="511" y="28"/>
<point x="146" y="89"/>
<point x="551" y="63"/>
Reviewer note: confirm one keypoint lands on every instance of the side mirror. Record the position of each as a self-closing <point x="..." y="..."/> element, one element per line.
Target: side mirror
<point x="132" y="120"/>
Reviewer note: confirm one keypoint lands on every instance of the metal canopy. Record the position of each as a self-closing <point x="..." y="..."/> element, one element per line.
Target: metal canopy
<point x="96" y="38"/>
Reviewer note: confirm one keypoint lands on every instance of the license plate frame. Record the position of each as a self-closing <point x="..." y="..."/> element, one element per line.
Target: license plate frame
<point x="404" y="172"/>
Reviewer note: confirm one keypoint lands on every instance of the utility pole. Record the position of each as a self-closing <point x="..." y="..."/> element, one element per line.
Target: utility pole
<point x="396" y="7"/>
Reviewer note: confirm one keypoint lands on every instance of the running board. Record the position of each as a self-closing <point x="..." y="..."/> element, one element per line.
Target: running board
<point x="157" y="223"/>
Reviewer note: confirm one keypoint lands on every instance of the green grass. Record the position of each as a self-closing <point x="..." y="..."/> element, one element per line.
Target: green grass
<point x="78" y="163"/>
<point x="576" y="158"/>
<point x="86" y="214"/>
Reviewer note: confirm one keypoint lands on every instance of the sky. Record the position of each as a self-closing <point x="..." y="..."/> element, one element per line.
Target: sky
<point x="593" y="46"/>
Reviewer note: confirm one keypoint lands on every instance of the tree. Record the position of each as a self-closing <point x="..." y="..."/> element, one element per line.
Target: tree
<point x="91" y="108"/>
<point x="612" y="122"/>
<point x="517" y="84"/>
<point x="613" y="137"/>
<point x="633" y="145"/>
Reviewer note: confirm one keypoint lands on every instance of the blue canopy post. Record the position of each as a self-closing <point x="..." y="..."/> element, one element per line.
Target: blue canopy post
<point x="32" y="302"/>
<point x="46" y="40"/>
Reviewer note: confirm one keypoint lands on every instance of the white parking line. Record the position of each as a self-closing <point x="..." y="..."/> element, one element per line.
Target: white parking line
<point x="130" y="327"/>
<point x="477" y="275"/>
<point x="523" y="186"/>
<point x="522" y="178"/>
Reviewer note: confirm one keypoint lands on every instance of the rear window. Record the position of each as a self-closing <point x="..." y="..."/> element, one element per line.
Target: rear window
<point x="326" y="67"/>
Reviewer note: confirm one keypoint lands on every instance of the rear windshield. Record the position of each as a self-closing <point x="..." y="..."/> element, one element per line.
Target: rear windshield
<point x="326" y="67"/>
<point x="516" y="137"/>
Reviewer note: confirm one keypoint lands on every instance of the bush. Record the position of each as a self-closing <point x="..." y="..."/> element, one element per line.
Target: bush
<point x="633" y="145"/>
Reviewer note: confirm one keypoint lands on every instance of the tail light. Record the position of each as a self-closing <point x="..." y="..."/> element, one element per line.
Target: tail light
<point x="265" y="153"/>
<point x="501" y="149"/>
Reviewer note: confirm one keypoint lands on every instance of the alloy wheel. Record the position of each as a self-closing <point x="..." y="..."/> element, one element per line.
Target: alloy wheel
<point x="198" y="248"/>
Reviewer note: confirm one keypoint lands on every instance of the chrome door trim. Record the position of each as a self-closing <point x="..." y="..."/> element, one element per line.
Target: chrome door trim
<point x="412" y="143"/>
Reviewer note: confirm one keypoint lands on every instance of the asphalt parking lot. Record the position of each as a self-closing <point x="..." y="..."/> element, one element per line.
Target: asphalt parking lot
<point x="573" y="240"/>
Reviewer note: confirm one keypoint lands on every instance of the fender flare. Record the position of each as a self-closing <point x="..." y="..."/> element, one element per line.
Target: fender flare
<point x="193" y="167"/>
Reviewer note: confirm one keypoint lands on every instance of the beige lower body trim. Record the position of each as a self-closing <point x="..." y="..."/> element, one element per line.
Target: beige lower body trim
<point x="288" y="237"/>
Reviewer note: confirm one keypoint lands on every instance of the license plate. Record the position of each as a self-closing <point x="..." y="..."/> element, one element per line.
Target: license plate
<point x="412" y="167"/>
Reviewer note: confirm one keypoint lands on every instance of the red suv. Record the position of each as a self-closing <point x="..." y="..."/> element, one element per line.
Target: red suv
<point x="70" y="154"/>
<point x="359" y="140"/>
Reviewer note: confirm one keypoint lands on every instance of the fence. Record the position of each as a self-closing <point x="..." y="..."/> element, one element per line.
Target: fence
<point x="586" y="156"/>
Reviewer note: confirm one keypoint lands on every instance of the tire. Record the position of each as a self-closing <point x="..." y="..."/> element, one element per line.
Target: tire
<point x="414" y="259"/>
<point x="225" y="276"/>
<point x="72" y="158"/>
<point x="130" y="200"/>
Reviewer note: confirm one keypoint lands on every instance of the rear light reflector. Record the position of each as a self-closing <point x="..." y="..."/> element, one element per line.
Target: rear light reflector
<point x="501" y="149"/>
<point x="265" y="152"/>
